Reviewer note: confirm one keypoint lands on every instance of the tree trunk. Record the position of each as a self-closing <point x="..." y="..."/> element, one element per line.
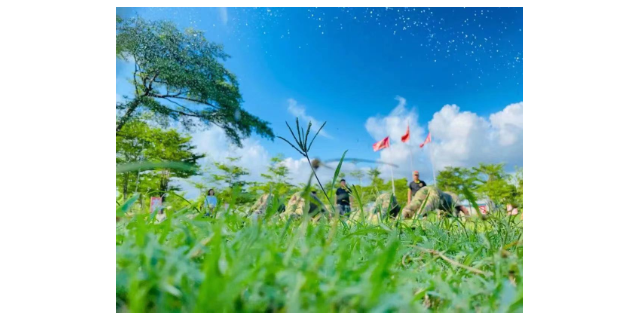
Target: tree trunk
<point x="164" y="184"/>
<point x="125" y="185"/>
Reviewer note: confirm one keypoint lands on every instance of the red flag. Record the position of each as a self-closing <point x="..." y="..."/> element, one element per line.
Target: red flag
<point x="427" y="140"/>
<point x="384" y="143"/>
<point x="405" y="138"/>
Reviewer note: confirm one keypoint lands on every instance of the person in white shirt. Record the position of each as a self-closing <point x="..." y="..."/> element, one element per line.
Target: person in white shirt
<point x="210" y="203"/>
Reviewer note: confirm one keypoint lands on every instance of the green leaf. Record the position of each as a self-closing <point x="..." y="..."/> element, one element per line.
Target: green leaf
<point x="143" y="166"/>
<point x="120" y="211"/>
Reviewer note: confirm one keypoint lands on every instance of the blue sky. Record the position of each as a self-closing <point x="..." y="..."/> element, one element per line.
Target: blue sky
<point x="355" y="67"/>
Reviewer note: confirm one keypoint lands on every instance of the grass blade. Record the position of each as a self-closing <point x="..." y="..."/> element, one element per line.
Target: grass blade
<point x="314" y="137"/>
<point x="287" y="141"/>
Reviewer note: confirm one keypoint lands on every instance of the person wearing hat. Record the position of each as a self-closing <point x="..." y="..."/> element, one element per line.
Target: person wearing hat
<point x="415" y="185"/>
<point x="342" y="198"/>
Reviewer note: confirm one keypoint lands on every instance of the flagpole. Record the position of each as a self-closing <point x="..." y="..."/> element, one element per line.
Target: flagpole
<point x="409" y="145"/>
<point x="411" y="152"/>
<point x="393" y="184"/>
<point x="433" y="166"/>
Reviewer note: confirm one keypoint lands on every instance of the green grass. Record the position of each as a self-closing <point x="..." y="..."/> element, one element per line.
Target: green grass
<point x="239" y="264"/>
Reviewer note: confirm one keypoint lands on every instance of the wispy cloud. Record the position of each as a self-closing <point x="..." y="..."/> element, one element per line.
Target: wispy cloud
<point x="298" y="110"/>
<point x="223" y="15"/>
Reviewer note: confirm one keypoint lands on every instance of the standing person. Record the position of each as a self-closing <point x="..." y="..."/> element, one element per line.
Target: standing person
<point x="210" y="202"/>
<point x="415" y="185"/>
<point x="342" y="198"/>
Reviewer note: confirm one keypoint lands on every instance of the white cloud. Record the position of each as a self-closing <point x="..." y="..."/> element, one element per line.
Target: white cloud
<point x="223" y="15"/>
<point x="215" y="144"/>
<point x="298" y="110"/>
<point x="459" y="139"/>
<point x="509" y="123"/>
<point x="466" y="139"/>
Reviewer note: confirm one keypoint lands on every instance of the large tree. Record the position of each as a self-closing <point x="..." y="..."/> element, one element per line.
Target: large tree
<point x="179" y="76"/>
<point x="493" y="183"/>
<point x="487" y="181"/>
<point x="490" y="172"/>
<point x="454" y="179"/>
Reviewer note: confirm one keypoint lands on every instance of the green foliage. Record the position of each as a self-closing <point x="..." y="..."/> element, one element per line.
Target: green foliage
<point x="237" y="264"/>
<point x="358" y="174"/>
<point x="402" y="185"/>
<point x="118" y="47"/>
<point x="488" y="181"/>
<point x="519" y="197"/>
<point x="498" y="191"/>
<point x="454" y="179"/>
<point x="179" y="76"/>
<point x="276" y="176"/>
<point x="229" y="178"/>
<point x="493" y="183"/>
<point x="140" y="146"/>
<point x="374" y="175"/>
<point x="230" y="173"/>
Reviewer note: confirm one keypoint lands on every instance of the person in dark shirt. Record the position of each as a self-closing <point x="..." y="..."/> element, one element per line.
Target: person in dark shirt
<point x="414" y="186"/>
<point x="342" y="198"/>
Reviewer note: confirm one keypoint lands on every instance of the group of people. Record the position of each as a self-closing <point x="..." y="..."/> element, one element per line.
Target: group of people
<point x="418" y="193"/>
<point x="421" y="199"/>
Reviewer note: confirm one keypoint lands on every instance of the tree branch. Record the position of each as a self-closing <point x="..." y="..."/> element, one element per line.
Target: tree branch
<point x="132" y="107"/>
<point x="189" y="113"/>
<point x="184" y="98"/>
<point x="151" y="82"/>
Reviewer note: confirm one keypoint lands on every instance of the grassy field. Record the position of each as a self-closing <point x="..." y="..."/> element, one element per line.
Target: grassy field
<point x="233" y="263"/>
